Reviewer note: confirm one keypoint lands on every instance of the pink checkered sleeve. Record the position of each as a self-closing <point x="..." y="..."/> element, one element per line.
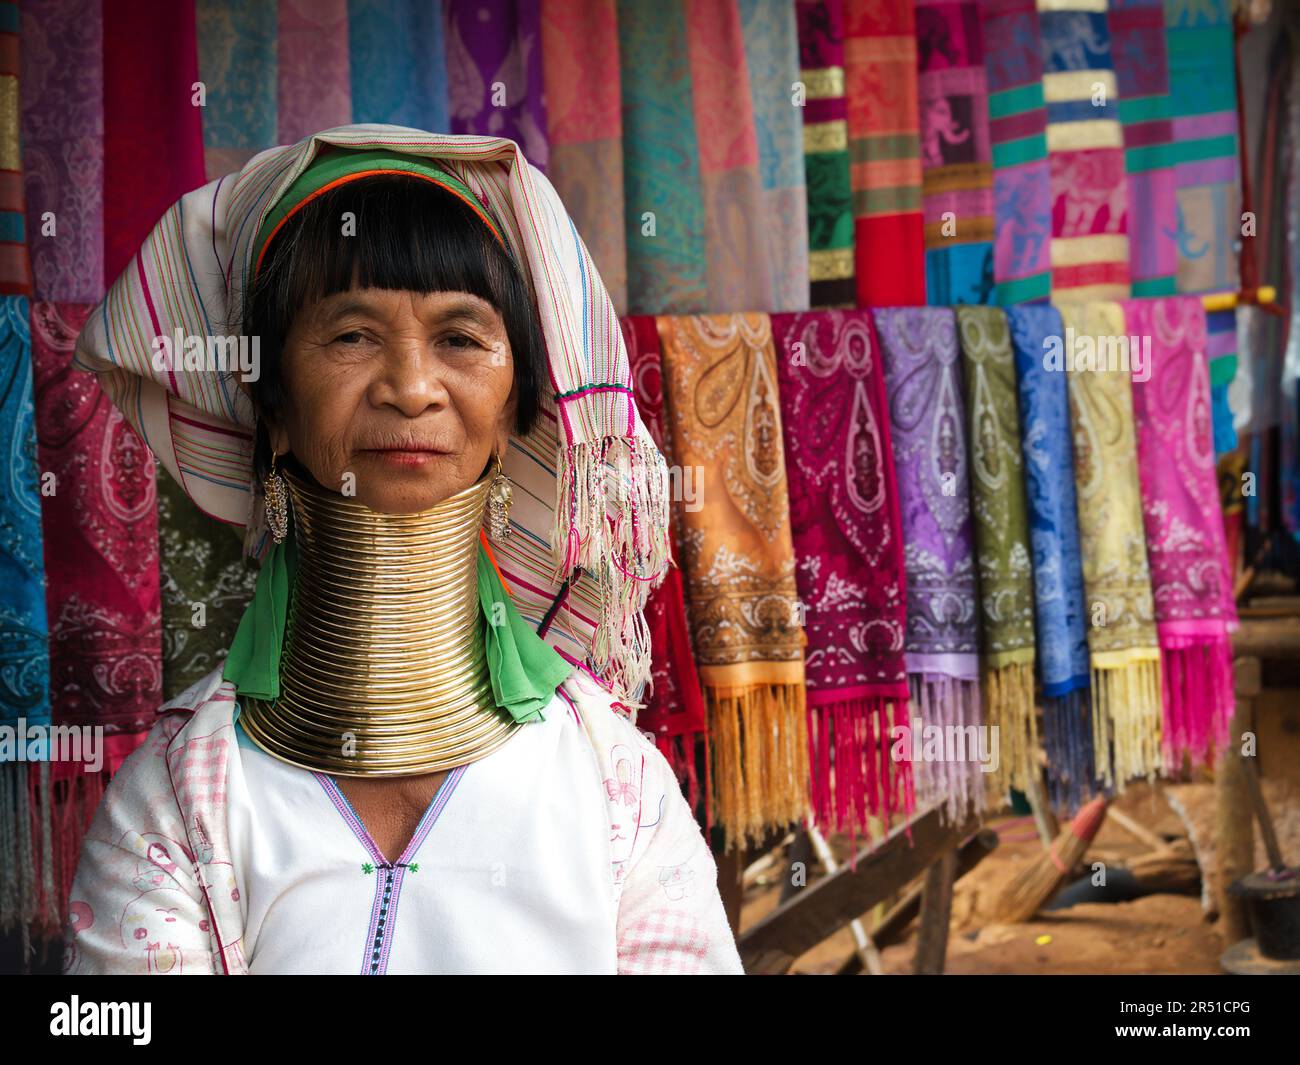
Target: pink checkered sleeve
<point x="670" y="916"/>
<point x="136" y="906"/>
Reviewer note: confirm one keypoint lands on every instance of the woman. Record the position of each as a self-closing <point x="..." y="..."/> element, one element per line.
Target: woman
<point x="389" y="729"/>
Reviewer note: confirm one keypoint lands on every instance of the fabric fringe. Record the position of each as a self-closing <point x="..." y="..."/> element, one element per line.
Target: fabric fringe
<point x="71" y="805"/>
<point x="956" y="786"/>
<point x="612" y="520"/>
<point x="1009" y="704"/>
<point x="1126" y="721"/>
<point x="27" y="895"/>
<point x="1067" y="737"/>
<point x="1199" y="698"/>
<point x="853" y="776"/>
<point x="760" y="771"/>
<point x="679" y="750"/>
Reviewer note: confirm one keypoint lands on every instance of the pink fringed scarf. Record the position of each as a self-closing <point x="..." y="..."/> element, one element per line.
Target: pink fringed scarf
<point x="1190" y="572"/>
<point x="848" y="544"/>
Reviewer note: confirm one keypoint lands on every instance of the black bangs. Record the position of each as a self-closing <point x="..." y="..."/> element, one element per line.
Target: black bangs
<point x="387" y="232"/>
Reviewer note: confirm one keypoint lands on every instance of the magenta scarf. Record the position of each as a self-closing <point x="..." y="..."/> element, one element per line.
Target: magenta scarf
<point x="848" y="545"/>
<point x="1190" y="572"/>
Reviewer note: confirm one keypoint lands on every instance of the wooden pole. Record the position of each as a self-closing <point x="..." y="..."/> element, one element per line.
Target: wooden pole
<point x="1233" y="820"/>
<point x="936" y="916"/>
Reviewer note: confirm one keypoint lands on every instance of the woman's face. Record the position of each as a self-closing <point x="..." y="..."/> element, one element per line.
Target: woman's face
<point x="396" y="398"/>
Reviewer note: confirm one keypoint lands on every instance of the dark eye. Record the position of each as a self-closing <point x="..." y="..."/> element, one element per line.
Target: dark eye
<point x="460" y="340"/>
<point x="352" y="337"/>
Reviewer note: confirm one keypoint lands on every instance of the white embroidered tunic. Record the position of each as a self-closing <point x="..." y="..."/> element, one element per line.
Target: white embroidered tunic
<point x="569" y="849"/>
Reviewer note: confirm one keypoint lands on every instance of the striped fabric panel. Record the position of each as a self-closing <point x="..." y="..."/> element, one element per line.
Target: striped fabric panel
<point x="1085" y="143"/>
<point x="1142" y="74"/>
<point x="15" y="269"/>
<point x="1203" y="98"/>
<point x="956" y="159"/>
<point x="826" y="154"/>
<point x="884" y="151"/>
<point x="1022" y="186"/>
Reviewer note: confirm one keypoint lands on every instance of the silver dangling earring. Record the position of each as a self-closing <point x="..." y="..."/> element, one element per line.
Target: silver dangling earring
<point x="277" y="503"/>
<point x="500" y="496"/>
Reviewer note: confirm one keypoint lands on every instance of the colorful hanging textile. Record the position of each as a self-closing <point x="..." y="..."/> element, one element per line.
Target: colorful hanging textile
<point x="62" y="147"/>
<point x="24" y="642"/>
<point x="826" y="153"/>
<point x="884" y="152"/>
<point x="494" y="73"/>
<point x="923" y="381"/>
<point x="397" y="63"/>
<point x="104" y="611"/>
<point x="237" y="64"/>
<point x="205" y="586"/>
<point x="1058" y="575"/>
<point x="956" y="160"/>
<point x="147" y="118"/>
<point x="1137" y="30"/>
<point x="1006" y="574"/>
<point x="311" y="55"/>
<point x="738" y="564"/>
<point x="15" y="266"/>
<point x="667" y="271"/>
<point x="771" y="40"/>
<point x="1090" y="247"/>
<point x="674" y="712"/>
<point x="1190" y="575"/>
<point x="848" y="540"/>
<point x="1022" y="180"/>
<point x="580" y="72"/>
<point x="1122" y="643"/>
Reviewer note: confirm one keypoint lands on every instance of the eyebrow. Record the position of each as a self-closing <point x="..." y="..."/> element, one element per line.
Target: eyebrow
<point x="460" y="309"/>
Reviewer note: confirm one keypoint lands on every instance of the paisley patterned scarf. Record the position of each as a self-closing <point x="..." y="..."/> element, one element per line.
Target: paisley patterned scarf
<point x="674" y="710"/>
<point x="848" y="542"/>
<point x="1058" y="575"/>
<point x="1124" y="651"/>
<point x="956" y="160"/>
<point x="924" y="383"/>
<point x="720" y="381"/>
<point x="1190" y="573"/>
<point x="1006" y="576"/>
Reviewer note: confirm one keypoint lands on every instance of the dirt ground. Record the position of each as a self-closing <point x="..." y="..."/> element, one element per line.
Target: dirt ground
<point x="1156" y="934"/>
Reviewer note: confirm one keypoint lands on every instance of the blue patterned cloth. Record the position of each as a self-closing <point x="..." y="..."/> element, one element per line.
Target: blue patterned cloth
<point x="24" y="632"/>
<point x="1053" y="519"/>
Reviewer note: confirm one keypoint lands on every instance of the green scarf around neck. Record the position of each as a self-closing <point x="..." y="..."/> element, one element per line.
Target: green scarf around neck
<point x="525" y="670"/>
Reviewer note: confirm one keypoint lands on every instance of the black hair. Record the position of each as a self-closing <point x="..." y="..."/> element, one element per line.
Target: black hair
<point x="409" y="235"/>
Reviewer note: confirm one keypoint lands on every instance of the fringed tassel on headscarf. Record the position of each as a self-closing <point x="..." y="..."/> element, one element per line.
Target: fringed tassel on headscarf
<point x="1067" y="737"/>
<point x="615" y="488"/>
<point x="854" y="773"/>
<point x="1198" y="698"/>
<point x="1126" y="718"/>
<point x="1009" y="704"/>
<point x="951" y="705"/>
<point x="760" y="758"/>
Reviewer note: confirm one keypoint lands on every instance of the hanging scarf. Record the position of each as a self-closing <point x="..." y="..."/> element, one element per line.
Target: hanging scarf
<point x="397" y="64"/>
<point x="956" y="160"/>
<point x="674" y="712"/>
<point x="1006" y="574"/>
<point x="26" y="885"/>
<point x="720" y="383"/>
<point x="105" y="613"/>
<point x="924" y="383"/>
<point x="1137" y="29"/>
<point x="848" y="540"/>
<point x="1022" y="185"/>
<point x="1122" y="643"/>
<point x="826" y="152"/>
<point x="1190" y="576"/>
<point x="885" y="146"/>
<point x="589" y="546"/>
<point x="1059" y="607"/>
<point x="1090" y="247"/>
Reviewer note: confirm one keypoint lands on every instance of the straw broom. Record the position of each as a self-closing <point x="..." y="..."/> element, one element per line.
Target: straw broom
<point x="1023" y="897"/>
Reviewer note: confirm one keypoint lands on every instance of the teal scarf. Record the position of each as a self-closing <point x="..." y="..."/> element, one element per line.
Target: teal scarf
<point x="525" y="670"/>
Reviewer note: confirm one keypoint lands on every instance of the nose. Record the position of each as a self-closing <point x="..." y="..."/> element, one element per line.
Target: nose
<point x="409" y="377"/>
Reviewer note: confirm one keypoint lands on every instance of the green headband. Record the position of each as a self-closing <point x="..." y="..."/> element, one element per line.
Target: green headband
<point x="336" y="167"/>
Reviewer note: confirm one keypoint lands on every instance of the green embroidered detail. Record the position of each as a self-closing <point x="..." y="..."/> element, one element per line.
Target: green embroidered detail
<point x="367" y="868"/>
<point x="414" y="867"/>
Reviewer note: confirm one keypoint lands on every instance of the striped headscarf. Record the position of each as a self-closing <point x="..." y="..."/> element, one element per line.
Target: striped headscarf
<point x="590" y="530"/>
